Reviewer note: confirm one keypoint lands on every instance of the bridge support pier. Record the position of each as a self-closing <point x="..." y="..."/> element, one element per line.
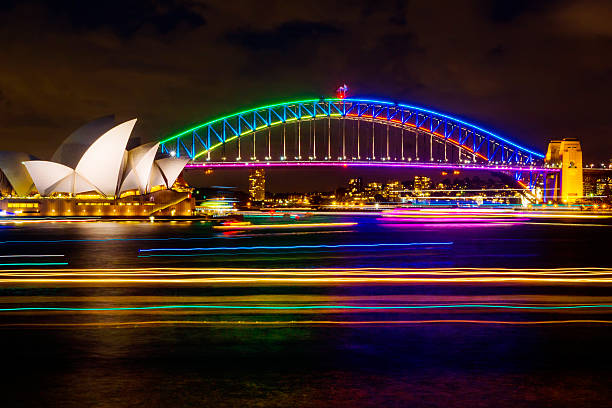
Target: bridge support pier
<point x="551" y="187"/>
<point x="567" y="154"/>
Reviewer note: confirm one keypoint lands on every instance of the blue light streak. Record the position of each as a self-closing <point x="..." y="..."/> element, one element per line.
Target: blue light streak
<point x="298" y="247"/>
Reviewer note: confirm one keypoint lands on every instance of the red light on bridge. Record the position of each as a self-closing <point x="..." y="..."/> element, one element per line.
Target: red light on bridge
<point x="342" y="91"/>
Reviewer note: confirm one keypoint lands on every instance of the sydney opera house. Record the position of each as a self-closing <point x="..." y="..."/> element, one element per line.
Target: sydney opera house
<point x="98" y="170"/>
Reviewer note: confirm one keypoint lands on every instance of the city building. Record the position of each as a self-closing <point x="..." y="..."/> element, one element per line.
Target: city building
<point x="257" y="185"/>
<point x="355" y="189"/>
<point x="421" y="185"/>
<point x="372" y="190"/>
<point x="355" y="185"/>
<point x="392" y="190"/>
<point x="374" y="187"/>
<point x="603" y="187"/>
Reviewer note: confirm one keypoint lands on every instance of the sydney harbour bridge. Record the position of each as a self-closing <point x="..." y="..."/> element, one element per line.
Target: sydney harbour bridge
<point x="358" y="132"/>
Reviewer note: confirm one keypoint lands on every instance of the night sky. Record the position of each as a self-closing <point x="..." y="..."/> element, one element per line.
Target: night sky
<point x="530" y="70"/>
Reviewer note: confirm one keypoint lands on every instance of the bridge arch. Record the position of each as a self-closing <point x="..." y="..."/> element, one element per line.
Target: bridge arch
<point x="477" y="143"/>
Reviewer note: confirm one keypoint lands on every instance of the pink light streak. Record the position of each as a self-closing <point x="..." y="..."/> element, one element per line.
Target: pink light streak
<point x="435" y="166"/>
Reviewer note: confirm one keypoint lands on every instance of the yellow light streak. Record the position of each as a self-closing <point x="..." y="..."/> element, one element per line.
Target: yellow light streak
<point x="306" y="275"/>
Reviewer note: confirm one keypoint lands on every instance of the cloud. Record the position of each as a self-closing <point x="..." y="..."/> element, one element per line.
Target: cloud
<point x="507" y="11"/>
<point x="284" y="37"/>
<point x="120" y="17"/>
<point x="588" y="18"/>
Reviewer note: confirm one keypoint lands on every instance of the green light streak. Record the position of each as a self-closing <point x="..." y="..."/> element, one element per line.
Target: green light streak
<point x="307" y="307"/>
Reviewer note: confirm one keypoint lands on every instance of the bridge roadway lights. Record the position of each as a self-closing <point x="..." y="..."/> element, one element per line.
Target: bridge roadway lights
<point x="537" y="171"/>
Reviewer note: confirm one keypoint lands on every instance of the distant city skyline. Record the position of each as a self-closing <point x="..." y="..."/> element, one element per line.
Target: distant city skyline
<point x="299" y="180"/>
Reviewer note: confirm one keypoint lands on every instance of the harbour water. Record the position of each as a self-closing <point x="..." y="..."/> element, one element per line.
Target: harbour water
<point x="355" y="310"/>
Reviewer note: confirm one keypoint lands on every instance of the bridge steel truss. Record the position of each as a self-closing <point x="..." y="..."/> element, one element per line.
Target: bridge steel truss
<point x="480" y="145"/>
<point x="485" y="149"/>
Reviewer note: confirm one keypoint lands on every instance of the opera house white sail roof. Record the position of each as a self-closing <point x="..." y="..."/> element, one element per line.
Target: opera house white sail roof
<point x="16" y="175"/>
<point x="94" y="160"/>
<point x="74" y="146"/>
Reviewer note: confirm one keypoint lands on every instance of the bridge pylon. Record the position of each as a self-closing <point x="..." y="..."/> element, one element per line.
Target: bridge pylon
<point x="566" y="154"/>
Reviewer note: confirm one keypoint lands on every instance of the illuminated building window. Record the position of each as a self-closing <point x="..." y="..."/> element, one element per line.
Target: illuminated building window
<point x="22" y="205"/>
<point x="257" y="185"/>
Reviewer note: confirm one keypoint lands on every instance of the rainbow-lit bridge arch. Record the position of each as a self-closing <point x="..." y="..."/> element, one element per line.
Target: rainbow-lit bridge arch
<point x="378" y="132"/>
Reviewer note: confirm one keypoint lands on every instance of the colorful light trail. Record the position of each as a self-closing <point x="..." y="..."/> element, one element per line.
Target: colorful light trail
<point x="145" y="323"/>
<point x="244" y="226"/>
<point x="308" y="276"/>
<point x="33" y="263"/>
<point x="421" y="214"/>
<point x="278" y="247"/>
<point x="306" y="307"/>
<point x="33" y="256"/>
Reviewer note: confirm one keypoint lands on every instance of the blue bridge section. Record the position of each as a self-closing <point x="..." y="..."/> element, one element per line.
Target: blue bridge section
<point x="430" y="131"/>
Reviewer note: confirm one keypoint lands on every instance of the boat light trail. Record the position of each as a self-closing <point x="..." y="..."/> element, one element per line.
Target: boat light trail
<point x="305" y="307"/>
<point x="322" y="246"/>
<point x="309" y="272"/>
<point x="300" y="225"/>
<point x="33" y="263"/>
<point x="306" y="276"/>
<point x="32" y="256"/>
<point x="116" y="325"/>
<point x="53" y="241"/>
<point x="473" y="213"/>
<point x="43" y="220"/>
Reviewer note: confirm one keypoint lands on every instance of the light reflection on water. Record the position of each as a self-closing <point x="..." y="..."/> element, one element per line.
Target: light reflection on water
<point x="314" y="357"/>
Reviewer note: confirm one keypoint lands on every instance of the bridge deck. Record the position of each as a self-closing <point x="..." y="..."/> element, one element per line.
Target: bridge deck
<point x="398" y="164"/>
